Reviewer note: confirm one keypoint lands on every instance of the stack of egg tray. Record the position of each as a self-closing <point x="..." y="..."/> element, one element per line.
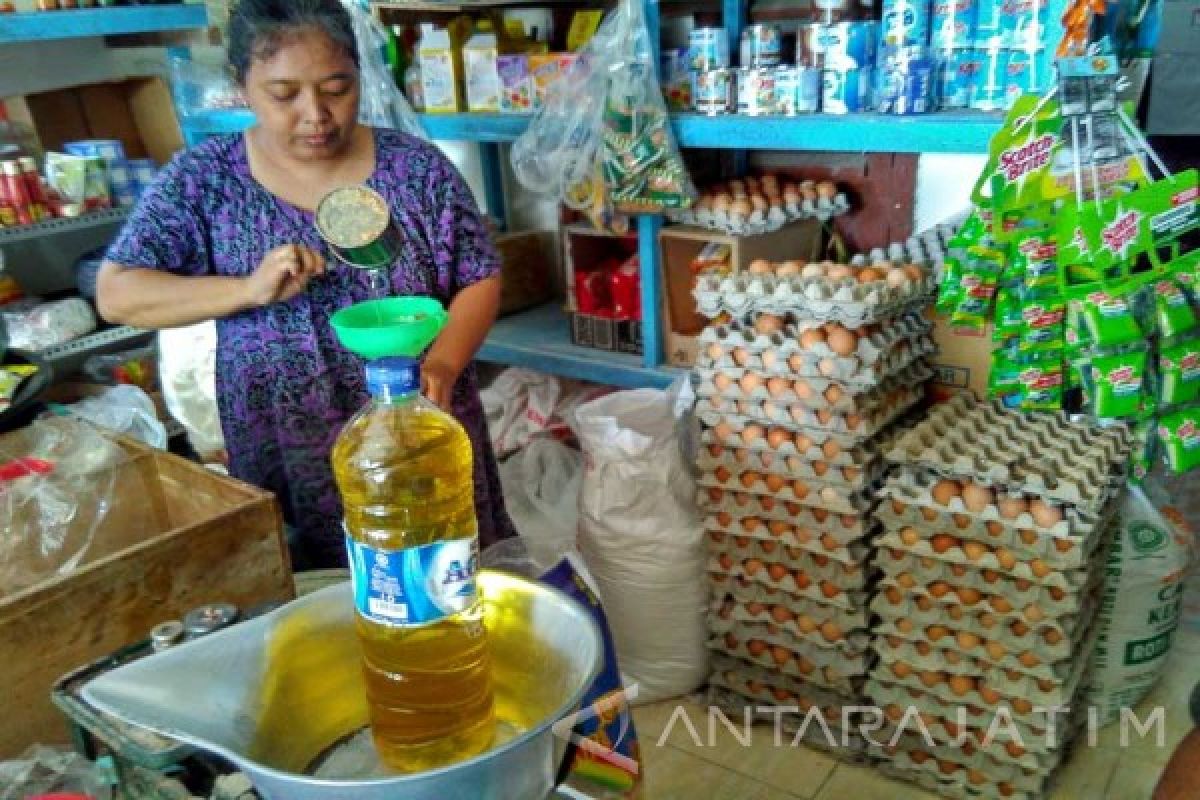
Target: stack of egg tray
<point x="996" y="525"/>
<point x="796" y="416"/>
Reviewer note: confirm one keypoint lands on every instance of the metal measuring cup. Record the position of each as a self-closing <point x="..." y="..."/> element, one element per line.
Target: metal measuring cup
<point x="356" y="224"/>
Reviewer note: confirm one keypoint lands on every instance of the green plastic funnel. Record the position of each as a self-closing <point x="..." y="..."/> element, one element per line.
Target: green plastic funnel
<point x="391" y="326"/>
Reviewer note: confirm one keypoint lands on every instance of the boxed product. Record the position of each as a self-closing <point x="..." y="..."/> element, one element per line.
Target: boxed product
<point x="480" y="55"/>
<point x="516" y="84"/>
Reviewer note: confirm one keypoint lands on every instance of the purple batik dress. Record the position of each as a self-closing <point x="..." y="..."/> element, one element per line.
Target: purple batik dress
<point x="285" y="387"/>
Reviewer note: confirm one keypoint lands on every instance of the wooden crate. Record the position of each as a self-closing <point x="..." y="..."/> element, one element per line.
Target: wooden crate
<point x="177" y="536"/>
<point x="526" y="270"/>
<point x="682" y="243"/>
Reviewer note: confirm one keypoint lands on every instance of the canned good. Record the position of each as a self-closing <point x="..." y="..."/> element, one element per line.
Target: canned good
<point x="988" y="94"/>
<point x="208" y="618"/>
<point x="841" y="44"/>
<point x="957" y="73"/>
<point x="708" y="49"/>
<point x="755" y="91"/>
<point x="787" y="86"/>
<point x="712" y="91"/>
<point x="952" y="24"/>
<point x="905" y="22"/>
<point x="844" y="91"/>
<point x="676" y="78"/>
<point x="905" y="81"/>
<point x="1022" y="23"/>
<point x="808" y="90"/>
<point x="760" y="46"/>
<point x="1026" y="72"/>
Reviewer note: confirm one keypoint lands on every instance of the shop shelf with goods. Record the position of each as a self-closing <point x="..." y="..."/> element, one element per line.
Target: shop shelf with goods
<point x="43" y="26"/>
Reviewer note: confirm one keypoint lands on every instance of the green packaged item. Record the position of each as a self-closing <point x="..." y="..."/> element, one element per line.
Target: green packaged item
<point x="1042" y="325"/>
<point x="1141" y="460"/>
<point x="1041" y="380"/>
<point x="1035" y="257"/>
<point x="980" y="276"/>
<point x="1008" y="321"/>
<point x="1110" y="319"/>
<point x="1118" y="381"/>
<point x="1004" y="379"/>
<point x="950" y="291"/>
<point x="1078" y="336"/>
<point x="1172" y="311"/>
<point x="1179" y="373"/>
<point x="1179" y="434"/>
<point x="1186" y="269"/>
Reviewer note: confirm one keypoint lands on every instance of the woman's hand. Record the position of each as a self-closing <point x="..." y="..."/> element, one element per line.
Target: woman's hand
<point x="282" y="274"/>
<point x="437" y="382"/>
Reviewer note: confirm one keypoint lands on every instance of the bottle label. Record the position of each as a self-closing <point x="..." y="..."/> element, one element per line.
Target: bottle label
<point x="417" y="586"/>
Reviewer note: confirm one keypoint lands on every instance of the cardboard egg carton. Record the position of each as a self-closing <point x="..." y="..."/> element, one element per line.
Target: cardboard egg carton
<point x="857" y="426"/>
<point x="876" y="356"/>
<point x="730" y="507"/>
<point x="989" y="581"/>
<point x="815" y="394"/>
<point x="762" y="220"/>
<point x="770" y="550"/>
<point x="835" y="449"/>
<point x="843" y="300"/>
<point x="1056" y="603"/>
<point x="799" y="617"/>
<point x="953" y="787"/>
<point x="754" y="563"/>
<point x="790" y="468"/>
<point x="1086" y="534"/>
<point x="849" y="644"/>
<point x="978" y="770"/>
<point x="995" y="761"/>
<point x="760" y="590"/>
<point x="820" y="728"/>
<point x="1033" y="726"/>
<point x="844" y="545"/>
<point x="752" y="683"/>
<point x="836" y="499"/>
<point x="832" y="669"/>
<point x="1046" y="455"/>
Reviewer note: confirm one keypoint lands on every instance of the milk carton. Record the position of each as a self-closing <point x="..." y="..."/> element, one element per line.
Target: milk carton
<point x="439" y="71"/>
<point x="480" y="56"/>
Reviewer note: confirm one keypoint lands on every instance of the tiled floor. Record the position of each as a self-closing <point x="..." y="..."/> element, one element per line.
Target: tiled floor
<point x="680" y="768"/>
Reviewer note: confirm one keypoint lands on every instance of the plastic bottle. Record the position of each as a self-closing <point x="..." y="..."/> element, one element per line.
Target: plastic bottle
<point x="404" y="470"/>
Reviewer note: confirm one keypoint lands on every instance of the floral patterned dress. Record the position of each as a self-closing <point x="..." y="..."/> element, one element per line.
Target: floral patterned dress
<point x="285" y="387"/>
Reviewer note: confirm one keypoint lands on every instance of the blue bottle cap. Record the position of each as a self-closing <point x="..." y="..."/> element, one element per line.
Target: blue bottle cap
<point x="393" y="376"/>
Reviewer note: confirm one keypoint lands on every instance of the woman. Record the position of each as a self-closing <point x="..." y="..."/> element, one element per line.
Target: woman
<point x="227" y="232"/>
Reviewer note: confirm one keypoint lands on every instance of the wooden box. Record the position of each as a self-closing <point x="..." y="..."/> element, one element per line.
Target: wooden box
<point x="176" y="536"/>
<point x="526" y="270"/>
<point x="680" y="246"/>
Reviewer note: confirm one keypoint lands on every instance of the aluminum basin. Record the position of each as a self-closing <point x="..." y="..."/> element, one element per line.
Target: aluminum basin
<point x="282" y="697"/>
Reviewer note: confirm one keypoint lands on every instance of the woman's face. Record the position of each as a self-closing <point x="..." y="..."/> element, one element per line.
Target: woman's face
<point x="305" y="95"/>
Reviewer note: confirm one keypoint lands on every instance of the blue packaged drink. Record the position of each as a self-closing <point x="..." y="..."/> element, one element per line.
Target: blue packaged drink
<point x="952" y="24"/>
<point x="845" y="44"/>
<point x="1026" y="72"/>
<point x="988" y="31"/>
<point x="808" y="90"/>
<point x="957" y="73"/>
<point x="905" y="23"/>
<point x="844" y="91"/>
<point x="905" y="81"/>
<point x="1023" y="23"/>
<point x="991" y="80"/>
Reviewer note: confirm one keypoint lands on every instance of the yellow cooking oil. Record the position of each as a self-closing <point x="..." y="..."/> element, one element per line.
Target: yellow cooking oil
<point x="404" y="470"/>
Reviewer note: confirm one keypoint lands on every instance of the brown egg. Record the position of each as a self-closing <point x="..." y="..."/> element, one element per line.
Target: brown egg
<point x="924" y="603"/>
<point x="831" y="449"/>
<point x="1022" y="706"/>
<point x="802" y="389"/>
<point x="1056" y="594"/>
<point x="1018" y="628"/>
<point x="741" y="356"/>
<point x="930" y="678"/>
<point x="996" y="651"/>
<point x="833" y="394"/>
<point x="752" y="433"/>
<point x="906" y="580"/>
<point x="819" y="468"/>
<point x="938" y="589"/>
<point x="840" y="272"/>
<point x="1039" y="568"/>
<point x="827" y="367"/>
<point x="841" y="341"/>
<point x="989" y="695"/>
<point x="943" y="542"/>
<point x="789" y="269"/>
<point x="976" y="497"/>
<point x="928" y="514"/>
<point x="811" y="338"/>
<point x="1000" y="604"/>
<point x="994" y="528"/>
<point x="725" y="560"/>
<point x="1006" y="558"/>
<point x="910" y="536"/>
<point x="1033" y="612"/>
<point x="777" y="572"/>
<point x="760" y="266"/>
<point x="723" y="431"/>
<point x="775" y="483"/>
<point x="750" y="478"/>
<point x="974" y="550"/>
<point x="914" y="272"/>
<point x="725" y="519"/>
<point x="829" y="590"/>
<point x="961" y="685"/>
<point x="800" y="489"/>
<point x="767" y="324"/>
<point x="870" y="275"/>
<point x="1052" y="636"/>
<point x="955" y="613"/>
<point x="946" y="490"/>
<point x="831" y="632"/>
<point x="1011" y="506"/>
<point x="740" y="208"/>
<point x="1044" y="514"/>
<point x="802" y="580"/>
<point x="966" y="640"/>
<point x="968" y="596"/>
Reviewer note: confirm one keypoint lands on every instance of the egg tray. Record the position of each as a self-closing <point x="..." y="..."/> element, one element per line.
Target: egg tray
<point x="1021" y="782"/>
<point x="995" y="762"/>
<point x="771" y="551"/>
<point x="791" y="468"/>
<point x="1041" y="454"/>
<point x="1033" y="726"/>
<point x="743" y="505"/>
<point x="847" y="450"/>
<point x="726" y="612"/>
<point x="750" y="684"/>
<point x="761" y="221"/>
<point x="849" y="644"/>
<point x="837" y="499"/>
<point x="875" y="357"/>
<point x="842" y="546"/>
<point x="830" y="738"/>
<point x="1068" y="544"/>
<point x="803" y="419"/>
<point x="832" y="669"/>
<point x="750" y="590"/>
<point x="926" y="570"/>
<point x="844" y="300"/>
<point x="954" y="788"/>
<point x="846" y="576"/>
<point x="851" y="399"/>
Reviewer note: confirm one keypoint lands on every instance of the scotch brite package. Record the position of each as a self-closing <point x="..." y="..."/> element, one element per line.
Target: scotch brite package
<point x="1008" y="320"/>
<point x="1172" y="311"/>
<point x="1110" y="319"/>
<point x="1186" y="269"/>
<point x="613" y="759"/>
<point x="1041" y="380"/>
<point x="1179" y="373"/>
<point x="1145" y="442"/>
<point x="1117" y="383"/>
<point x="1078" y="335"/>
<point x="980" y="277"/>
<point x="1035" y="256"/>
<point x="1042" y="328"/>
<point x="1004" y="378"/>
<point x="950" y="291"/>
<point x="1179" y="434"/>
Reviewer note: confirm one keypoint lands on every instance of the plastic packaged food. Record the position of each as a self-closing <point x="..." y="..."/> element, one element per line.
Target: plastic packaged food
<point x="1180" y="436"/>
<point x="1119" y="379"/>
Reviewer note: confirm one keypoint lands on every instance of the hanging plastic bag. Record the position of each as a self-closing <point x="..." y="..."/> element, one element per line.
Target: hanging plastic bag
<point x="602" y="141"/>
<point x="187" y="372"/>
<point x="522" y="404"/>
<point x="641" y="536"/>
<point x="126" y="410"/>
<point x="382" y="104"/>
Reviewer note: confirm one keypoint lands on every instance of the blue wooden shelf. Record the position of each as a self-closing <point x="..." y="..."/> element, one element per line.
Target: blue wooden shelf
<point x="37" y="26"/>
<point x="540" y="339"/>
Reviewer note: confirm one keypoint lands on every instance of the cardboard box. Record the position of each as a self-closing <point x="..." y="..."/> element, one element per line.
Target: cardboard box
<point x="138" y="112"/>
<point x="526" y="270"/>
<point x="603" y="333"/>
<point x="175" y="537"/>
<point x="680" y="244"/>
<point x="482" y="76"/>
<point x="963" y="360"/>
<point x="583" y="249"/>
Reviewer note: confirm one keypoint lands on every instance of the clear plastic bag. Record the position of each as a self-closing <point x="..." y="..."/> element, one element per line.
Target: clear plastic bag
<point x="49" y="324"/>
<point x="382" y="104"/>
<point x="42" y="769"/>
<point x="199" y="87"/>
<point x="602" y="142"/>
<point x="126" y="410"/>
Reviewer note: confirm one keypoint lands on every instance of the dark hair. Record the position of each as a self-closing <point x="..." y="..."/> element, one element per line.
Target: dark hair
<point x="257" y="28"/>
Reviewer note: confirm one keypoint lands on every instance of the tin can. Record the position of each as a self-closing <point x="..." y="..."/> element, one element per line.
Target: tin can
<point x="905" y="22"/>
<point x="842" y="44"/>
<point x="209" y="618"/>
<point x="755" y="91"/>
<point x="905" y="82"/>
<point x="356" y="224"/>
<point x="808" y="90"/>
<point x="844" y="91"/>
<point x="1026" y="72"/>
<point x="1022" y="23"/>
<point x="990" y="81"/>
<point x="712" y="91"/>
<point x="956" y="76"/>
<point x="787" y="87"/>
<point x="676" y="78"/>
<point x="952" y="24"/>
<point x="708" y="49"/>
<point x="760" y="46"/>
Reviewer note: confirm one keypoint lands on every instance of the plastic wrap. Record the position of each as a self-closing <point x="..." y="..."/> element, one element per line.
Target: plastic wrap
<point x="49" y="324"/>
<point x="522" y="405"/>
<point x="199" y="87"/>
<point x="42" y="769"/>
<point x="382" y="104"/>
<point x="57" y="482"/>
<point x="187" y="364"/>
<point x="126" y="410"/>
